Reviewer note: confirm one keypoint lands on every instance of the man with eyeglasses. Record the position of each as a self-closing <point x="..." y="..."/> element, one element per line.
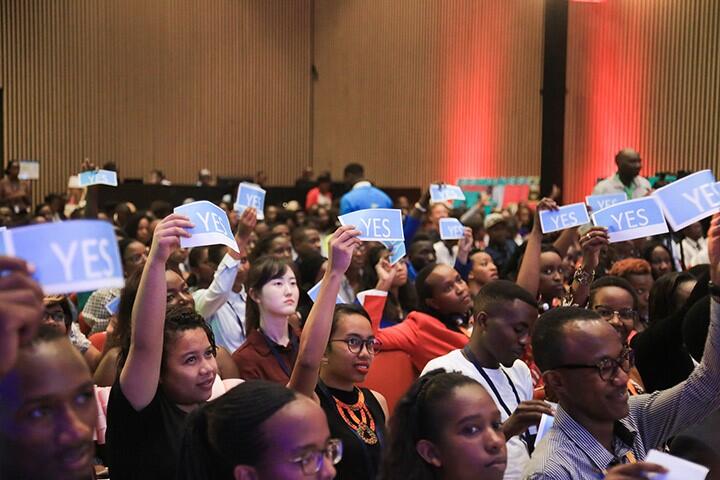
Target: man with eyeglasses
<point x="597" y="426"/>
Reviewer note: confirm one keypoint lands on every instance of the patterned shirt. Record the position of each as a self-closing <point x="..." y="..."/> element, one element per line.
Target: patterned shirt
<point x="570" y="452"/>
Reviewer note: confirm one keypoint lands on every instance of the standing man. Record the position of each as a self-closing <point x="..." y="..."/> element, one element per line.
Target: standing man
<point x="363" y="194"/>
<point x="627" y="179"/>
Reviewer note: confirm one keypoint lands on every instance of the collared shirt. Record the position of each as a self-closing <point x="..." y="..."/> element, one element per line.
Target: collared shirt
<point x="255" y="359"/>
<point x="638" y="188"/>
<point x="570" y="452"/>
<point x="363" y="195"/>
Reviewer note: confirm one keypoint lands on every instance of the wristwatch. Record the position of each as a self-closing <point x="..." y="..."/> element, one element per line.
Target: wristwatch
<point x="583" y="277"/>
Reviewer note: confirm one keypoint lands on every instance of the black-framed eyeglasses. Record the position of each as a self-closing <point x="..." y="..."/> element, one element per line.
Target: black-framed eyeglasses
<point x="624" y="314"/>
<point x="608" y="368"/>
<point x="311" y="462"/>
<point x="355" y="344"/>
<point x="57" y="317"/>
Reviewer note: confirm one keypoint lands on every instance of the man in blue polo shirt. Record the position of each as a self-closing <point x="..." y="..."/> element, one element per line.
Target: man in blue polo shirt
<point x="362" y="195"/>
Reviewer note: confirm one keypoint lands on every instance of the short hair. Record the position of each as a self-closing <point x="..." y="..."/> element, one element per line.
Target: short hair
<point x="324" y="178"/>
<point x="216" y="253"/>
<point x="354" y="169"/>
<point x="548" y="338"/>
<point x="631" y="266"/>
<point x="612" y="281"/>
<point x="195" y="255"/>
<point x="299" y="234"/>
<point x="262" y="246"/>
<point x="493" y="294"/>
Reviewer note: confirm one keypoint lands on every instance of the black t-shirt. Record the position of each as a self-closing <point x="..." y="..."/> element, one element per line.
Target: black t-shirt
<point x="145" y="444"/>
<point x="359" y="460"/>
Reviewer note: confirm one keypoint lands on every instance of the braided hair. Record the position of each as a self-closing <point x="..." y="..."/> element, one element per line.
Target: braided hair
<point x="418" y="416"/>
<point x="227" y="431"/>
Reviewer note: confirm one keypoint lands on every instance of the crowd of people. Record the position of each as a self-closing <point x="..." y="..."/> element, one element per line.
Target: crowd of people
<point x="218" y="364"/>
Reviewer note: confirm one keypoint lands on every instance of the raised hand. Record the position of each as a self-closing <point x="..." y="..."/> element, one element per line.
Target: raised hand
<point x="591" y="244"/>
<point x="341" y="247"/>
<point x="167" y="236"/>
<point x="544" y="204"/>
<point x="21" y="309"/>
<point x="465" y="244"/>
<point x="246" y="224"/>
<point x="385" y="273"/>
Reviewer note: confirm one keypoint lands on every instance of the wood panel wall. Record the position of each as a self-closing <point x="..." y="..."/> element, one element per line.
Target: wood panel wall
<point x="418" y="91"/>
<point x="642" y="74"/>
<point x="170" y="84"/>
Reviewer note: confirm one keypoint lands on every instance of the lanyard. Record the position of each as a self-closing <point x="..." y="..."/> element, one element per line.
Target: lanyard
<point x="239" y="319"/>
<point x="278" y="358"/>
<point x="471" y="357"/>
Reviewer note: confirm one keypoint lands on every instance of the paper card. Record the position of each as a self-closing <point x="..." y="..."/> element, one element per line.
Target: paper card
<point x="565" y="217"/>
<point x="451" y="229"/>
<point x="397" y="251"/>
<point x="376" y="224"/>
<point x="251" y="195"/>
<point x="113" y="305"/>
<point x="689" y="199"/>
<point x="314" y="291"/>
<point x="442" y="192"/>
<point x="72" y="256"/>
<point x="98" y="177"/>
<point x="29" y="170"/>
<point x="212" y="226"/>
<point x="678" y="468"/>
<point x="598" y="202"/>
<point x="546" y="423"/>
<point x="637" y="218"/>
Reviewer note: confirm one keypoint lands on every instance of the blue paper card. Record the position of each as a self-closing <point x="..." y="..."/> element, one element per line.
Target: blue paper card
<point x="442" y="192"/>
<point x="598" y="202"/>
<point x="113" y="305"/>
<point x="689" y="199"/>
<point x="212" y="226"/>
<point x="637" y="218"/>
<point x="72" y="256"/>
<point x="313" y="293"/>
<point x="98" y="177"/>
<point x="376" y="224"/>
<point x="565" y="217"/>
<point x="397" y="251"/>
<point x="251" y="195"/>
<point x="451" y="229"/>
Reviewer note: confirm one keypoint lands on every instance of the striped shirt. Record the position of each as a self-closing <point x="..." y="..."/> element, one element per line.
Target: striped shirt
<point x="570" y="452"/>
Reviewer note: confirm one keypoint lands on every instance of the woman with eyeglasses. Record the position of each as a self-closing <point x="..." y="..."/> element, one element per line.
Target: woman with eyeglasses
<point x="337" y="348"/>
<point x="261" y="431"/>
<point x="58" y="314"/>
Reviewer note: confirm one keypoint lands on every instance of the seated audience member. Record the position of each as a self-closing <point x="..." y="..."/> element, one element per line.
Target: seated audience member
<point x="597" y="426"/>
<point x="659" y="258"/>
<point x="272" y="344"/>
<point x="222" y="304"/>
<point x="337" y="348"/>
<point x="273" y="244"/>
<point x="138" y="227"/>
<point x="15" y="193"/>
<point x="692" y="244"/>
<point x="58" y="315"/>
<point x="420" y="254"/>
<point x="21" y="309"/>
<point x="504" y="315"/>
<point x="669" y="293"/>
<point x="482" y="271"/>
<point x="47" y="412"/>
<point x="551" y="288"/>
<point x="639" y="273"/>
<point x="204" y="178"/>
<point x="379" y="274"/>
<point x="500" y="246"/>
<point x="167" y="371"/>
<point x="320" y="195"/>
<point x="445" y="427"/>
<point x="441" y="322"/>
<point x="203" y="262"/>
<point x="362" y="194"/>
<point x="306" y="240"/>
<point x="258" y="430"/>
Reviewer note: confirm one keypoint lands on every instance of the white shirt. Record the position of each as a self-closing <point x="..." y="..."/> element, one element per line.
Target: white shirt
<point x="640" y="186"/>
<point x="223" y="309"/>
<point x="519" y="373"/>
<point x="445" y="255"/>
<point x="691" y="249"/>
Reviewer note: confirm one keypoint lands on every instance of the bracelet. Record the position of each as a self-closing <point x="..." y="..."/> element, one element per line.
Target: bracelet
<point x="583" y="277"/>
<point x="420" y="207"/>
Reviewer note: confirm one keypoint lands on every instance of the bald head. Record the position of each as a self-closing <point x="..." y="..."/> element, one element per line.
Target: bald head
<point x="628" y="162"/>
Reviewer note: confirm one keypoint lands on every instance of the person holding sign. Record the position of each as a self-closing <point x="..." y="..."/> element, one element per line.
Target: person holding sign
<point x="597" y="425"/>
<point x="337" y="348"/>
<point x="168" y="371"/>
<point x="15" y="193"/>
<point x="627" y="179"/>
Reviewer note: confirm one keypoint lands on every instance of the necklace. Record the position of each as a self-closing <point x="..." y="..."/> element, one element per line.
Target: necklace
<point x="358" y="418"/>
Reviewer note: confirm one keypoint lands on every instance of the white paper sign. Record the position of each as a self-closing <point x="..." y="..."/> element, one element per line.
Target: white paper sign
<point x="98" y="177"/>
<point x="212" y="226"/>
<point x="376" y="224"/>
<point x="565" y="217"/>
<point x="442" y="192"/>
<point x="678" y="468"/>
<point x="451" y="229"/>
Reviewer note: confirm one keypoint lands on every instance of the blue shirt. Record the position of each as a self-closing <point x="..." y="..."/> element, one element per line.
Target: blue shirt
<point x="362" y="196"/>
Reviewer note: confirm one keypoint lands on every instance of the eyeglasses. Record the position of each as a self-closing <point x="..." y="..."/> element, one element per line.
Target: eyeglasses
<point x="608" y="368"/>
<point x="355" y="344"/>
<point x="312" y="461"/>
<point x="57" y="317"/>
<point x="624" y="314"/>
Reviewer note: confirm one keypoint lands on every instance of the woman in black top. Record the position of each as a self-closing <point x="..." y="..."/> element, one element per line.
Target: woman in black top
<point x="337" y="347"/>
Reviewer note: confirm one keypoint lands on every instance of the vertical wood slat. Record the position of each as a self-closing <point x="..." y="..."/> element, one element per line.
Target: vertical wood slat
<point x="170" y="84"/>
<point x="656" y="90"/>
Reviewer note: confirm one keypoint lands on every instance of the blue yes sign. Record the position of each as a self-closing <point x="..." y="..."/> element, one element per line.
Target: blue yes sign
<point x="631" y="219"/>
